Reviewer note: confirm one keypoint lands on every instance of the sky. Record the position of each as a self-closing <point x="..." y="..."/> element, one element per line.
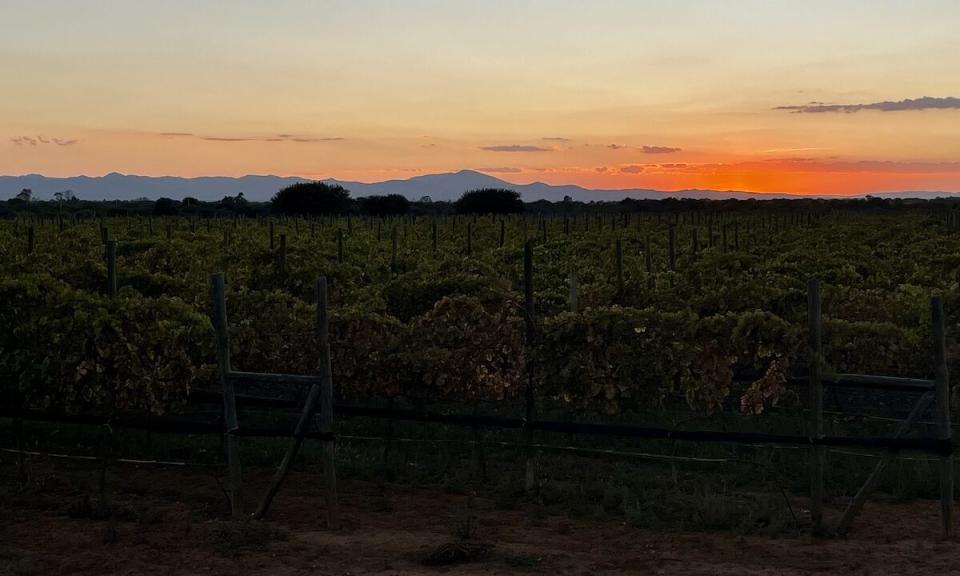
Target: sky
<point x="813" y="97"/>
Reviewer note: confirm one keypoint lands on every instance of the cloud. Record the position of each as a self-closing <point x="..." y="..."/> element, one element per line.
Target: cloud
<point x="674" y="165"/>
<point x="634" y="169"/>
<point x="658" y="149"/>
<point x="555" y="139"/>
<point x="277" y="138"/>
<point x="501" y="170"/>
<point x="601" y="169"/>
<point x="645" y="149"/>
<point x="42" y="141"/>
<point x="515" y="148"/>
<point x="924" y="103"/>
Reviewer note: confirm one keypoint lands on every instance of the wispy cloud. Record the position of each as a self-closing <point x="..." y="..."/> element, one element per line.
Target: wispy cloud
<point x="226" y="139"/>
<point x="633" y="169"/>
<point x="924" y="103"/>
<point x="42" y="141"/>
<point x="555" y="139"/>
<point x="300" y="139"/>
<point x="501" y="170"/>
<point x="658" y="149"/>
<point x="516" y="148"/>
<point x="645" y="149"/>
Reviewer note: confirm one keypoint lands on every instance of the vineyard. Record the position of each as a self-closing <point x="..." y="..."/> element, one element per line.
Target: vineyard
<point x="433" y="308"/>
<point x="626" y="318"/>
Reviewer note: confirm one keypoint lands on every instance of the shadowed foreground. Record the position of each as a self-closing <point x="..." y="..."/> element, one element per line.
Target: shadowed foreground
<point x="173" y="522"/>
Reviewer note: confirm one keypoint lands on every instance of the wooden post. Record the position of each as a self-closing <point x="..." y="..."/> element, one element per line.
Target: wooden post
<point x="816" y="402"/>
<point x="573" y="293"/>
<point x="673" y="247"/>
<point x="648" y="261"/>
<point x="30" y="240"/>
<point x="340" y="245"/>
<point x="271" y="236"/>
<point x="219" y="317"/>
<point x="282" y="255"/>
<point x="502" y="233"/>
<point x="433" y="234"/>
<point x="619" y="263"/>
<point x="944" y="432"/>
<point x="326" y="407"/>
<point x="528" y="305"/>
<point x="469" y="238"/>
<point x="112" y="268"/>
<point x="393" y="249"/>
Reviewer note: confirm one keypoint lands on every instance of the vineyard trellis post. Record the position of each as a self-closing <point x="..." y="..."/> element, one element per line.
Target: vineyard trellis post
<point x="112" y="268"/>
<point x="231" y="425"/>
<point x="573" y="292"/>
<point x="528" y="306"/>
<point x="818" y="454"/>
<point x="944" y="433"/>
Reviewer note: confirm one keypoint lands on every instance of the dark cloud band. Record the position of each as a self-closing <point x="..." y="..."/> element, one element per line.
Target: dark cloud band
<point x="924" y="103"/>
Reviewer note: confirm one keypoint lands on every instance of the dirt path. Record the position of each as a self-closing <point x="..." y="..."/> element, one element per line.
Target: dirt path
<point x="171" y="523"/>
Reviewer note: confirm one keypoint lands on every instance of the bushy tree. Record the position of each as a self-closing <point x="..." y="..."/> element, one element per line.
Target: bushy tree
<point x="311" y="198"/>
<point x="384" y="205"/>
<point x="166" y="207"/>
<point x="489" y="201"/>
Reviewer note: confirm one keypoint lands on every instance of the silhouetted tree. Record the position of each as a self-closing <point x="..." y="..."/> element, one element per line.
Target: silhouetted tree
<point x="384" y="205"/>
<point x="25" y="195"/>
<point x="166" y="207"/>
<point x="311" y="198"/>
<point x="489" y="201"/>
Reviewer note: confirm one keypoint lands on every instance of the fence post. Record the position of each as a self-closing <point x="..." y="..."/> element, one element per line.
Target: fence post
<point x="944" y="432"/>
<point x="282" y="255"/>
<point x="673" y="247"/>
<point x="573" y="292"/>
<point x="528" y="305"/>
<point x="326" y="407"/>
<point x="30" y="240"/>
<point x="219" y="317"/>
<point x="112" y="268"/>
<point x="816" y="402"/>
<point x="619" y="263"/>
<point x="339" y="245"/>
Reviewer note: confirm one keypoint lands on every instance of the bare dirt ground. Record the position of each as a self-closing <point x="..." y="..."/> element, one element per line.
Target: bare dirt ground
<point x="173" y="522"/>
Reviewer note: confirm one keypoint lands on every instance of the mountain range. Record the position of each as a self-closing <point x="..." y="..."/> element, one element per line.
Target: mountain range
<point x="439" y="187"/>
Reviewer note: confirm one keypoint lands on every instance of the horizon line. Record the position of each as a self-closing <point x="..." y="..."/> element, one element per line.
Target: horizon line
<point x="480" y="172"/>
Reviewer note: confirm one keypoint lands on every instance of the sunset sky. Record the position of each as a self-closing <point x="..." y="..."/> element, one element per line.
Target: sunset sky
<point x="829" y="97"/>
